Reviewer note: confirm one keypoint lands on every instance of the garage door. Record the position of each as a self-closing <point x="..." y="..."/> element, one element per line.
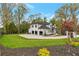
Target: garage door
<point x="32" y="32"/>
<point x="40" y="33"/>
<point x="36" y="32"/>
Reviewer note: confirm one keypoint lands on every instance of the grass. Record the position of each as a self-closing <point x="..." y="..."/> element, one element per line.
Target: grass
<point x="15" y="41"/>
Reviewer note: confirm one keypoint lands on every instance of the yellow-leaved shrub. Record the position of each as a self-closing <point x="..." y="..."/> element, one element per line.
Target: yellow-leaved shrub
<point x="74" y="43"/>
<point x="43" y="52"/>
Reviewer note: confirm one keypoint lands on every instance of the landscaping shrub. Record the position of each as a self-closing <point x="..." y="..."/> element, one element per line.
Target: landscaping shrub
<point x="74" y="43"/>
<point x="43" y="52"/>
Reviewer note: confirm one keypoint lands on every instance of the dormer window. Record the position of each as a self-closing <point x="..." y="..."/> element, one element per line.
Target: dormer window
<point x="35" y="26"/>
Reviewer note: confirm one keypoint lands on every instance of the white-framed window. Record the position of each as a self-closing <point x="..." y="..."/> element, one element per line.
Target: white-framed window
<point x="35" y="25"/>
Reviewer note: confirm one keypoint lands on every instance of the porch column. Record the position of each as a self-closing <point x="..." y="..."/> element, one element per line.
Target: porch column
<point x="67" y="34"/>
<point x="38" y="32"/>
<point x="44" y="32"/>
<point x="34" y="32"/>
<point x="74" y="34"/>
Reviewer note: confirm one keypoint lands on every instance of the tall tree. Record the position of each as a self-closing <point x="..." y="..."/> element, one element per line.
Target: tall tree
<point x="6" y="14"/>
<point x="37" y="18"/>
<point x="57" y="23"/>
<point x="21" y="10"/>
<point x="12" y="28"/>
<point x="45" y="19"/>
<point x="68" y="12"/>
<point x="24" y="26"/>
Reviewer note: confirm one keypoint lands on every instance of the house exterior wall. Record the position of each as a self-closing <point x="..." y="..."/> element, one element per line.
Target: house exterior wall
<point x="45" y="31"/>
<point x="69" y="35"/>
<point x="34" y="28"/>
<point x="49" y="31"/>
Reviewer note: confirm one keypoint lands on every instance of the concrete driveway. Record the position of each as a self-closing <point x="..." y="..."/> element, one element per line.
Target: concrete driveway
<point x="31" y="36"/>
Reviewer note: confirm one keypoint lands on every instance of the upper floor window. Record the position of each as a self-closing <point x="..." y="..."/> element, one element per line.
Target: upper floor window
<point x="35" y="26"/>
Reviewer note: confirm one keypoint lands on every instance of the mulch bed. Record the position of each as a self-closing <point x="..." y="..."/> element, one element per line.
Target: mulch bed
<point x="66" y="50"/>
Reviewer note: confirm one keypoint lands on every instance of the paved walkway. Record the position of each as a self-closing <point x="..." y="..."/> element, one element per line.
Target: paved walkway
<point x="30" y="36"/>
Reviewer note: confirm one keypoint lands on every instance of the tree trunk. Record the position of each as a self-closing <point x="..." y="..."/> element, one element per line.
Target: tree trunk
<point x="18" y="24"/>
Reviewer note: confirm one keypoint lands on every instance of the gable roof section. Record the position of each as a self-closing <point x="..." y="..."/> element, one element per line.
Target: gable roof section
<point x="44" y="27"/>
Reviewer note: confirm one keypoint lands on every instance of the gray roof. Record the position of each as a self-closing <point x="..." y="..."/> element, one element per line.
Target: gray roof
<point x="44" y="27"/>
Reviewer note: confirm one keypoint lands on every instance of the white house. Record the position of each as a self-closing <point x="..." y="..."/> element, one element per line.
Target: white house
<point x="42" y="28"/>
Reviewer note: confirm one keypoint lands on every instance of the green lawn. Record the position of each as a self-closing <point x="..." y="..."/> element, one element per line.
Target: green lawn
<point x="15" y="41"/>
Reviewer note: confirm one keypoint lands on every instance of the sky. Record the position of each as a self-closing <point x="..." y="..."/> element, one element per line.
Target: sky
<point x="46" y="9"/>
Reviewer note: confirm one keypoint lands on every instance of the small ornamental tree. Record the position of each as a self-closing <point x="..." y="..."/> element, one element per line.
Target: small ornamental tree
<point x="68" y="26"/>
